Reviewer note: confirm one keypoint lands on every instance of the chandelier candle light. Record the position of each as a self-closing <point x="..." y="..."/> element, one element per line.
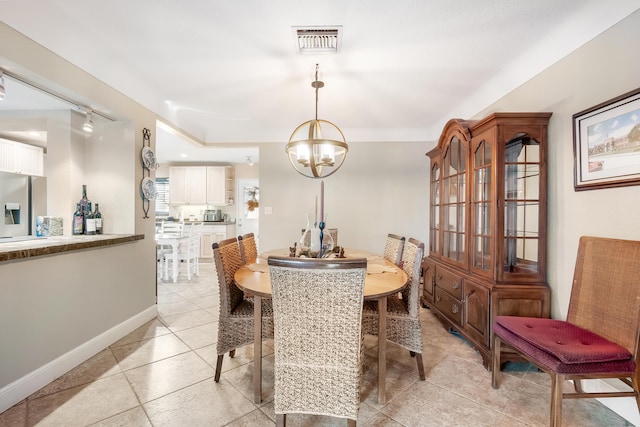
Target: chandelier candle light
<point x="313" y="154"/>
<point x="321" y="224"/>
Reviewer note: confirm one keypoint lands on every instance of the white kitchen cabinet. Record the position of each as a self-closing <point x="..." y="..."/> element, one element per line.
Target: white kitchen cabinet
<point x="25" y="159"/>
<point x="187" y="185"/>
<point x="211" y="234"/>
<point x="220" y="185"/>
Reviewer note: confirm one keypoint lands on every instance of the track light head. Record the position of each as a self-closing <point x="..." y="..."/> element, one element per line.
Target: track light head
<point x="88" y="123"/>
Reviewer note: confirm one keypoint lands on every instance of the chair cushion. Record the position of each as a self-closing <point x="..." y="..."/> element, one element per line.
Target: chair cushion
<point x="565" y="341"/>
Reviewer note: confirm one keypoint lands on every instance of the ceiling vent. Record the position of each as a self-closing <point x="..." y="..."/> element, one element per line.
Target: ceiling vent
<point x="324" y="39"/>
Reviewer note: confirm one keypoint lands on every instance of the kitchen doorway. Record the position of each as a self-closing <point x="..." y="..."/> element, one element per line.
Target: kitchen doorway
<point x="248" y="196"/>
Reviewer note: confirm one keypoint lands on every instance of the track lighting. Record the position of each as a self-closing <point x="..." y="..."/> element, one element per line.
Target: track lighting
<point x="88" y="123"/>
<point x="249" y="161"/>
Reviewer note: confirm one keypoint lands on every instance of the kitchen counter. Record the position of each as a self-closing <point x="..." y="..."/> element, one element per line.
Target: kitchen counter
<point x="36" y="247"/>
<point x="212" y="222"/>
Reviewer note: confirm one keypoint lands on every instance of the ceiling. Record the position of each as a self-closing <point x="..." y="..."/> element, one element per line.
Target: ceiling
<point x="225" y="75"/>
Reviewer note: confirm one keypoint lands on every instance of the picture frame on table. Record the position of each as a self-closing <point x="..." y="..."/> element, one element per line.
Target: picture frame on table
<point x="606" y="140"/>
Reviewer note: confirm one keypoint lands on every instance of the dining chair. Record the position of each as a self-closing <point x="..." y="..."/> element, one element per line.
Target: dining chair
<point x="166" y="227"/>
<point x="248" y="248"/>
<point x="171" y="227"/>
<point x="188" y="251"/>
<point x="600" y="337"/>
<point x="235" y="322"/>
<point x="317" y="310"/>
<point x="403" y="311"/>
<point x="393" y="248"/>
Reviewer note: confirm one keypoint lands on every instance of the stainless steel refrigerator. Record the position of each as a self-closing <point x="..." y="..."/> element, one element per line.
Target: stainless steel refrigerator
<point x="22" y="197"/>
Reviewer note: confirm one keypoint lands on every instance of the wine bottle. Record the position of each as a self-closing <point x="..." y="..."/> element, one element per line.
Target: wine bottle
<point x="78" y="221"/>
<point x="98" y="216"/>
<point x="84" y="202"/>
<point x="90" y="222"/>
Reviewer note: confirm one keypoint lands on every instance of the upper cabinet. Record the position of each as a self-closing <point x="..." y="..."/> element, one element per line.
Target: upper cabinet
<point x="25" y="159"/>
<point x="220" y="185"/>
<point x="201" y="185"/>
<point x="188" y="185"/>
<point x="487" y="229"/>
<point x="488" y="196"/>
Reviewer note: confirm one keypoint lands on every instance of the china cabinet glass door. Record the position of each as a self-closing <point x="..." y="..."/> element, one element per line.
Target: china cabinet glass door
<point x="434" y="229"/>
<point x="521" y="205"/>
<point x="482" y="196"/>
<point x="453" y="201"/>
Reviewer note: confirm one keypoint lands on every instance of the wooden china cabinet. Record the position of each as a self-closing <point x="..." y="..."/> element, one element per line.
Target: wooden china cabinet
<point x="488" y="225"/>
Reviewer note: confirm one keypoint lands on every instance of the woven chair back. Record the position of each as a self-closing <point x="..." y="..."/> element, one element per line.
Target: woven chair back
<point x="393" y="248"/>
<point x="227" y="258"/>
<point x="411" y="264"/>
<point x="317" y="307"/>
<point x="248" y="247"/>
<point x="605" y="297"/>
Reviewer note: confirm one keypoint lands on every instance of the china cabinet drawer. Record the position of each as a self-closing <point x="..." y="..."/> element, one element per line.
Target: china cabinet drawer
<point x="450" y="282"/>
<point x="447" y="305"/>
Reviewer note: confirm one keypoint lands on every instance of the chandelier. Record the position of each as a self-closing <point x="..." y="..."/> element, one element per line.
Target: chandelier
<point x="313" y="151"/>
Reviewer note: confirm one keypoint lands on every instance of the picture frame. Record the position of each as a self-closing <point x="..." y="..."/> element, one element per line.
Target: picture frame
<point x="606" y="144"/>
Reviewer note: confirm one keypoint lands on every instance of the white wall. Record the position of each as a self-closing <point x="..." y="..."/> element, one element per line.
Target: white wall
<point x="60" y="310"/>
<point x="380" y="189"/>
<point x="606" y="67"/>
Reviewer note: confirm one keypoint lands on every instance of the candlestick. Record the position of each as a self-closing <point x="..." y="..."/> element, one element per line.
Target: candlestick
<point x="321" y="201"/>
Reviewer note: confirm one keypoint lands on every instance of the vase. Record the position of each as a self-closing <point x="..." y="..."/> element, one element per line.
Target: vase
<point x="310" y="245"/>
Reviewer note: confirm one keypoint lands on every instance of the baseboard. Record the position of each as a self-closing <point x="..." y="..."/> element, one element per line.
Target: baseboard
<point x="626" y="407"/>
<point x="25" y="386"/>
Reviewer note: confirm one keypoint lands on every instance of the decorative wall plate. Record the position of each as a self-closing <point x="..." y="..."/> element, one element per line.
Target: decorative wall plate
<point x="148" y="188"/>
<point x="149" y="158"/>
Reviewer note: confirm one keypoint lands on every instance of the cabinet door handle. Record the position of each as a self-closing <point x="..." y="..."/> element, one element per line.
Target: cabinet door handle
<point x="439" y="276"/>
<point x="438" y="298"/>
<point x="456" y="285"/>
<point x="455" y="308"/>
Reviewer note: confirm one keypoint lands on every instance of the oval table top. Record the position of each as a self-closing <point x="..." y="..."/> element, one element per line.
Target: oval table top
<point x="384" y="278"/>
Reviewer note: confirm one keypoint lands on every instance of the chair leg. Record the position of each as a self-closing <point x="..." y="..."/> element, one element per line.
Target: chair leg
<point x="219" y="367"/>
<point x="232" y="353"/>
<point x="495" y="362"/>
<point x="556" y="399"/>
<point x="635" y="384"/>
<point x="351" y="423"/>
<point x="281" y="420"/>
<point x="578" y="386"/>
<point x="420" y="366"/>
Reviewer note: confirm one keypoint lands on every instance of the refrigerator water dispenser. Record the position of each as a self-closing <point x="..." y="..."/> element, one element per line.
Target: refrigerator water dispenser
<point x="12" y="213"/>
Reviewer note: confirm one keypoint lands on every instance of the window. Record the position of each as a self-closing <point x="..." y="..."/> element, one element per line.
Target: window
<point x="162" y="196"/>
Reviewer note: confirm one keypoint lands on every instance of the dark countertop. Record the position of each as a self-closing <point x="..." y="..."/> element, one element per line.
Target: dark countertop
<point x="22" y="249"/>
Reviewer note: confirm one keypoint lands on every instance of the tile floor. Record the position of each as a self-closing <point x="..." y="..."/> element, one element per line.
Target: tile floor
<point x="162" y="375"/>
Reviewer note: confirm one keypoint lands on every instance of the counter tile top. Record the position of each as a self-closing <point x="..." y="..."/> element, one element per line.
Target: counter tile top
<point x="15" y="250"/>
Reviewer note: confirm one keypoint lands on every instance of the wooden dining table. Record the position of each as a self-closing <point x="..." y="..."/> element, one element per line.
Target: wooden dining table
<point x="383" y="279"/>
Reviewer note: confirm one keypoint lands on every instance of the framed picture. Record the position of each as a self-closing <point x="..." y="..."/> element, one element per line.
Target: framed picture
<point x="606" y="142"/>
